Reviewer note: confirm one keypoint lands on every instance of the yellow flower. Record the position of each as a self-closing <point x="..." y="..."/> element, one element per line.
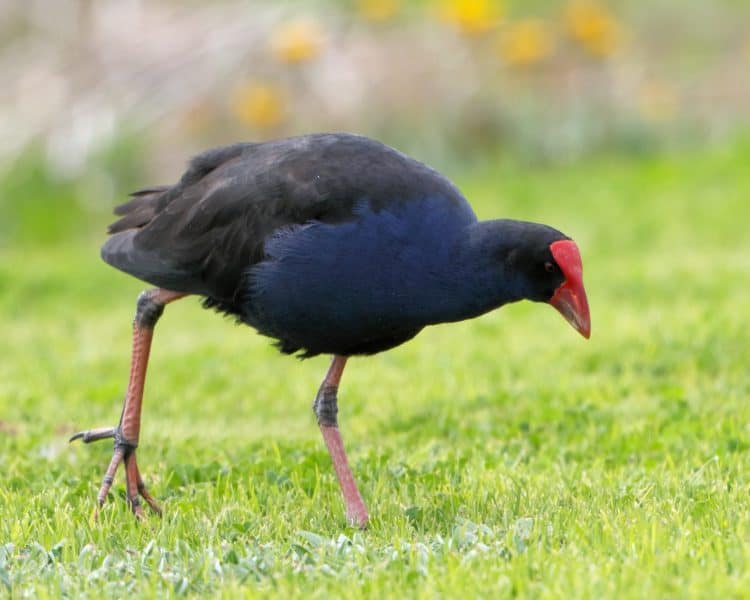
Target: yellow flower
<point x="657" y="101"/>
<point x="297" y="41"/>
<point x="472" y="17"/>
<point x="378" y="10"/>
<point x="593" y="27"/>
<point x="258" y="104"/>
<point x="526" y="42"/>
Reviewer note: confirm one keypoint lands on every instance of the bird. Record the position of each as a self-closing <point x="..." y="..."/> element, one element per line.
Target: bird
<point x="328" y="243"/>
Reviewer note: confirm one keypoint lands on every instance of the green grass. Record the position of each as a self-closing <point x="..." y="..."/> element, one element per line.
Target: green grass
<point x="499" y="457"/>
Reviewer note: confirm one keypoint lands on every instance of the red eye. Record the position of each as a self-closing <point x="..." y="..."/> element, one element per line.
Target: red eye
<point x="549" y="267"/>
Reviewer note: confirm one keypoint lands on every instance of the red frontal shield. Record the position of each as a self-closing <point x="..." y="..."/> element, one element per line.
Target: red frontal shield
<point x="570" y="297"/>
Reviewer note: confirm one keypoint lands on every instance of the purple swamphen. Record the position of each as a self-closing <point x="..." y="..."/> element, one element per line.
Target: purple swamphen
<point x="330" y="244"/>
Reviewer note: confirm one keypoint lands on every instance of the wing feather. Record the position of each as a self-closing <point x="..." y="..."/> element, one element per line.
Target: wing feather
<point x="202" y="234"/>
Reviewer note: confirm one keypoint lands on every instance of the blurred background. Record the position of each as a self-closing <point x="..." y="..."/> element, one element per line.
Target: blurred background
<point x="100" y="97"/>
<point x="622" y="123"/>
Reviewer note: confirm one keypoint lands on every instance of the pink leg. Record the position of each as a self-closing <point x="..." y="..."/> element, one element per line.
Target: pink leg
<point x="326" y="410"/>
<point x="126" y="434"/>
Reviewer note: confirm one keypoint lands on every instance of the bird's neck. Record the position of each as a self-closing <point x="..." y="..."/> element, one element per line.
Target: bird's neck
<point x="477" y="278"/>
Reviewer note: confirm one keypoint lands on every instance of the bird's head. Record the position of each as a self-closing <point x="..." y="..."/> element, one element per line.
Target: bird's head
<point x="547" y="268"/>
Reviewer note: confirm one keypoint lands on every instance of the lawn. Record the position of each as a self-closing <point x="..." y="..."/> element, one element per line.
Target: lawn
<point x="500" y="457"/>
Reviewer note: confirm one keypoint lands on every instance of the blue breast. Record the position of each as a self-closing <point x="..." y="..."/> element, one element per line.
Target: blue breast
<point x="364" y="285"/>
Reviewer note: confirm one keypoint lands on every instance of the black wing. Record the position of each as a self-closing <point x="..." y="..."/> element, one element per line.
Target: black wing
<point x="200" y="235"/>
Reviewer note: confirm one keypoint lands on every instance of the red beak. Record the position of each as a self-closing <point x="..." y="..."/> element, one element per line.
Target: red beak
<point x="570" y="297"/>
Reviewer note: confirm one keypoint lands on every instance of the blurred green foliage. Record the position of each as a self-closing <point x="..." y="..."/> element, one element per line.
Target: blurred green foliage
<point x="41" y="207"/>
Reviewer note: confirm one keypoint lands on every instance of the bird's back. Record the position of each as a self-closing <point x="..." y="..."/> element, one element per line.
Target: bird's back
<point x="200" y="235"/>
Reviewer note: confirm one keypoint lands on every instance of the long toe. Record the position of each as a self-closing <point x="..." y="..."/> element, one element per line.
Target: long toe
<point x="153" y="504"/>
<point x="94" y="435"/>
<point x="136" y="489"/>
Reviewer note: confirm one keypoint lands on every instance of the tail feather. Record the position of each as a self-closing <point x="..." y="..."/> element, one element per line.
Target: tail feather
<point x="121" y="252"/>
<point x="142" y="207"/>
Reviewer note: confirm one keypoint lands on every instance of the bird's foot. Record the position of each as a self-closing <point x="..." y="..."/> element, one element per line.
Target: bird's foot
<point x="124" y="452"/>
<point x="356" y="515"/>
